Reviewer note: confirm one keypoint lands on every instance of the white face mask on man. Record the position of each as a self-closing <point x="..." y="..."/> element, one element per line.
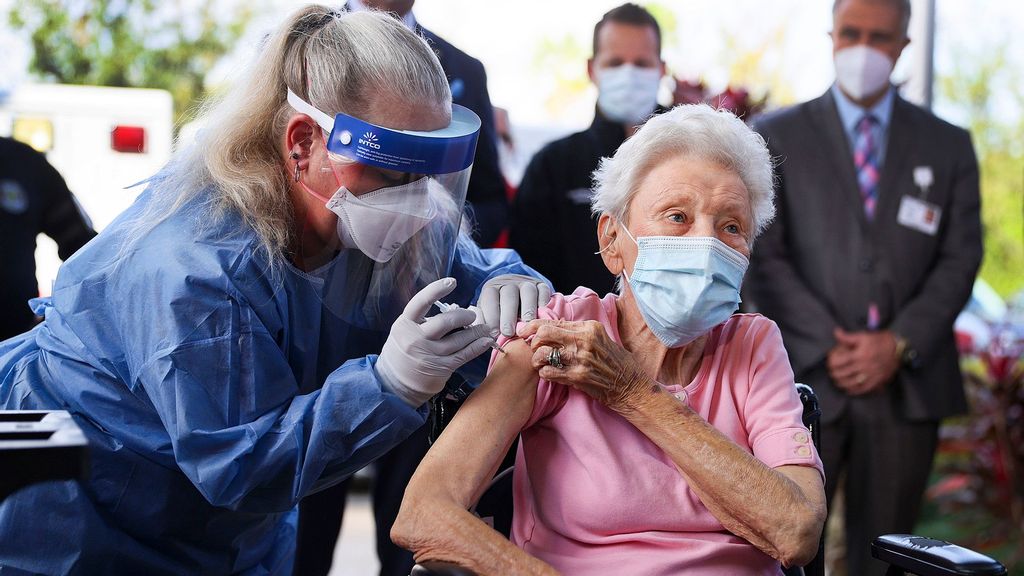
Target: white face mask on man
<point x="627" y="93"/>
<point x="862" y="71"/>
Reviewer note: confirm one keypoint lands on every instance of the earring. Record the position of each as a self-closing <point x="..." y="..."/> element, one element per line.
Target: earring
<point x="296" y="171"/>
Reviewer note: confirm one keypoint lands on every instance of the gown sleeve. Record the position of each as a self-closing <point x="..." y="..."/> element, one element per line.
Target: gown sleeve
<point x="223" y="389"/>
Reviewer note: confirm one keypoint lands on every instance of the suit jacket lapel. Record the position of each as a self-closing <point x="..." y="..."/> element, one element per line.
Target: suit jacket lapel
<point x="834" y="140"/>
<point x="901" y="131"/>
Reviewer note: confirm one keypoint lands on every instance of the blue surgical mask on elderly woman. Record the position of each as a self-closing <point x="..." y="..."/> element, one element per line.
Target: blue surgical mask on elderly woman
<point x="685" y="285"/>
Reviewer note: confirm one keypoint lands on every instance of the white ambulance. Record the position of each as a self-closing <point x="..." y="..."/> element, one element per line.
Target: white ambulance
<point x="100" y="139"/>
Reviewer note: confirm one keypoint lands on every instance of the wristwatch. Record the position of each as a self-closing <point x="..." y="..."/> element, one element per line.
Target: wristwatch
<point x="906" y="355"/>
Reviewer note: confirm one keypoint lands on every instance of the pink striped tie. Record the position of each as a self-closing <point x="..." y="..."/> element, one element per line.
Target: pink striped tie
<point x="865" y="158"/>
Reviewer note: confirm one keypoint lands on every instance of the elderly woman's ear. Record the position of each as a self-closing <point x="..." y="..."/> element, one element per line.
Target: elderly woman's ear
<point x="607" y="232"/>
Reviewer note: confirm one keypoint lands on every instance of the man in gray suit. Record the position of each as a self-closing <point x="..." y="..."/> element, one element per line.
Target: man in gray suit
<point x="872" y="255"/>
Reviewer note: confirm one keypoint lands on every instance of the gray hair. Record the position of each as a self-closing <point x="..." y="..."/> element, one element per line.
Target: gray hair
<point x="902" y="5"/>
<point x="688" y="131"/>
<point x="337" y="61"/>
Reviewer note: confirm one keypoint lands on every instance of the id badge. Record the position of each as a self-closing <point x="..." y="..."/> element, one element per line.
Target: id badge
<point x="920" y="215"/>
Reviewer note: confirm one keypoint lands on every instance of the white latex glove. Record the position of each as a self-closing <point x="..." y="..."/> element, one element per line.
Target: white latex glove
<point x="420" y="355"/>
<point x="509" y="296"/>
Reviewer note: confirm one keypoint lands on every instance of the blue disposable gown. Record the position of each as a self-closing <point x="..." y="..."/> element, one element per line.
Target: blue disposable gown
<point x="214" y="397"/>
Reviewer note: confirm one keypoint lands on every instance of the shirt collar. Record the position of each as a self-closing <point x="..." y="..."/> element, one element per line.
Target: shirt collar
<point x="850" y="112"/>
<point x="408" y="20"/>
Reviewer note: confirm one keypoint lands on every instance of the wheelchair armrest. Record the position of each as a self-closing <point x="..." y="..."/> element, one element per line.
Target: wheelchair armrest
<point x="439" y="569"/>
<point x="929" y="557"/>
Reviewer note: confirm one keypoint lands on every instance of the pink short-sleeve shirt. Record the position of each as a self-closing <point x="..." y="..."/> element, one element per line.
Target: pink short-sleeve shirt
<point x="592" y="495"/>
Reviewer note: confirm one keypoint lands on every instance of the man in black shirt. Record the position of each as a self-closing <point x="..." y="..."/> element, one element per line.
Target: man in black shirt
<point x="551" y="225"/>
<point x="33" y="199"/>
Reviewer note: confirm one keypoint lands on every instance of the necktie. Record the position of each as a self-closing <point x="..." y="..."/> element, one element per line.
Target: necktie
<point x="865" y="158"/>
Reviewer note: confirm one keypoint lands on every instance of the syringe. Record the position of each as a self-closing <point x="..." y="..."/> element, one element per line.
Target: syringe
<point x="443" y="307"/>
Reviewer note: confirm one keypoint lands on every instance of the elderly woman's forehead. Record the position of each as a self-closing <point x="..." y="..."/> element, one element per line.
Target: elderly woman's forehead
<point x="689" y="175"/>
<point x="727" y="198"/>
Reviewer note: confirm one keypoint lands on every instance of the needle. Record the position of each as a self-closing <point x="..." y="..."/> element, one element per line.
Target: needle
<point x="446" y="307"/>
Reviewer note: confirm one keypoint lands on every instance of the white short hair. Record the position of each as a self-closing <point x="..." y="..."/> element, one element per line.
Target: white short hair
<point x="687" y="131"/>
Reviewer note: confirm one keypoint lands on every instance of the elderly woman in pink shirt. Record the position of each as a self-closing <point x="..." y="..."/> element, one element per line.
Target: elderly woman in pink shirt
<point x="660" y="433"/>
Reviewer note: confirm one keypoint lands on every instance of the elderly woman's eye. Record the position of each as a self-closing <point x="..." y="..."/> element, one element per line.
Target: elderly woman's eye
<point x="677" y="217"/>
<point x="732" y="229"/>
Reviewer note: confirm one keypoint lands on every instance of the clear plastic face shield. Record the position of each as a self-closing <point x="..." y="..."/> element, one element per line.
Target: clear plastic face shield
<point x="399" y="209"/>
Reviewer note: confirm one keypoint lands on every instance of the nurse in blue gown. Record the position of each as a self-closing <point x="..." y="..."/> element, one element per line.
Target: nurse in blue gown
<point x="259" y="324"/>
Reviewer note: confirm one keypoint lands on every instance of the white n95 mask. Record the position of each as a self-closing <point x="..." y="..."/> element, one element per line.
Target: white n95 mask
<point x="378" y="223"/>
<point x="862" y="71"/>
<point x="627" y="93"/>
<point x="685" y="285"/>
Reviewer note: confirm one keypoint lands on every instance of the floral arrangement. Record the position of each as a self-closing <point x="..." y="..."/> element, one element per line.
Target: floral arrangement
<point x="736" y="100"/>
<point x="980" y="464"/>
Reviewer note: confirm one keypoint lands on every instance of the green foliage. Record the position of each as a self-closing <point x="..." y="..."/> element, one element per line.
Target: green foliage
<point x="988" y="88"/>
<point x="747" y="64"/>
<point x="565" y="60"/>
<point x="130" y="43"/>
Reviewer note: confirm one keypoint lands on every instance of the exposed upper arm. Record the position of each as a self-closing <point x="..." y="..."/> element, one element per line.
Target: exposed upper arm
<point x="466" y="455"/>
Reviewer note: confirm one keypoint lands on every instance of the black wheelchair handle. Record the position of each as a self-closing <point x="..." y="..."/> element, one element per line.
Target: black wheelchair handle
<point x="930" y="557"/>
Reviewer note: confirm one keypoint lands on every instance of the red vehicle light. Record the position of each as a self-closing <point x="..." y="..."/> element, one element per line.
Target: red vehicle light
<point x="128" y="139"/>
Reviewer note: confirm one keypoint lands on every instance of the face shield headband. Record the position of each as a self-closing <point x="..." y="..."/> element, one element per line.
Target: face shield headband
<point x="443" y="151"/>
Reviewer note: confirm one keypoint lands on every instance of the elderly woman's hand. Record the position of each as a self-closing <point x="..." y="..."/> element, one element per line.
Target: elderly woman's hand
<point x="582" y="355"/>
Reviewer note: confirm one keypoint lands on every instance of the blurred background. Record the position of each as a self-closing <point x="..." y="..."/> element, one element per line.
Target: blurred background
<point x="768" y="54"/>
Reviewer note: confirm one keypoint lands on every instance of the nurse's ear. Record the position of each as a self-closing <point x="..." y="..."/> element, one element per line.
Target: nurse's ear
<point x="298" y="140"/>
<point x="607" y="233"/>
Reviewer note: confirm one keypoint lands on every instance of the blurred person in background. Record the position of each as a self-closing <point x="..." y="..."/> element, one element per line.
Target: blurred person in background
<point x="33" y="200"/>
<point x="487" y="204"/>
<point x="255" y="327"/>
<point x="508" y="154"/>
<point x="510" y="161"/>
<point x="872" y="255"/>
<point x="551" y="224"/>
